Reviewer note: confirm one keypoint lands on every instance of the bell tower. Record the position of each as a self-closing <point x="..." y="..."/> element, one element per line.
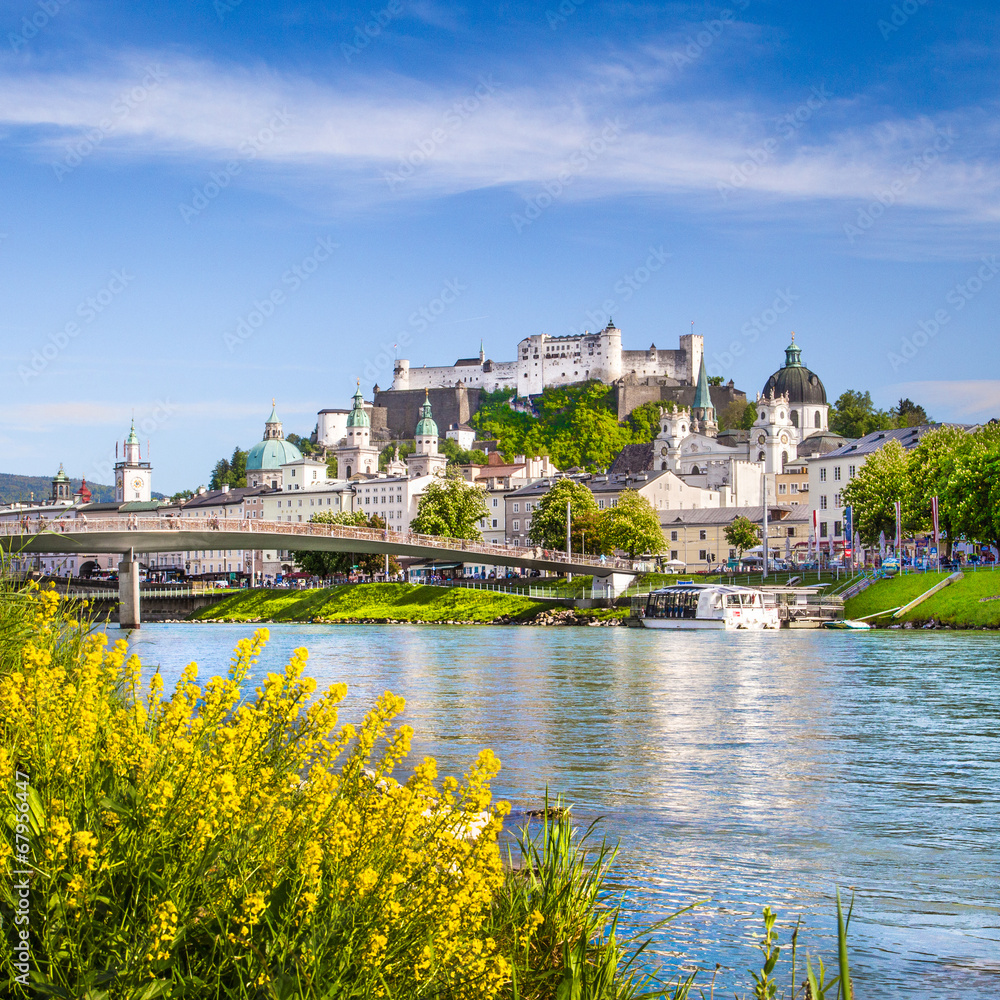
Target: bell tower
<point x="133" y="476"/>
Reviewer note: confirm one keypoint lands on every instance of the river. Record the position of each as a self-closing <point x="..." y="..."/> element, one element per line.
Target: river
<point x="735" y="768"/>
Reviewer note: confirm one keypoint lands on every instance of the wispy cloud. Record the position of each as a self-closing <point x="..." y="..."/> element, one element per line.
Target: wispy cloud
<point x="520" y="137"/>
<point x="44" y="417"/>
<point x="965" y="399"/>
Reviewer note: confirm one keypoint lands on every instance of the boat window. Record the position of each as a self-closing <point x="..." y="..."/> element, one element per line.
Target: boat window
<point x="733" y="600"/>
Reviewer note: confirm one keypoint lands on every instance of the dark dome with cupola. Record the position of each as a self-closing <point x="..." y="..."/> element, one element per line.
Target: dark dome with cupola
<point x="795" y="381"/>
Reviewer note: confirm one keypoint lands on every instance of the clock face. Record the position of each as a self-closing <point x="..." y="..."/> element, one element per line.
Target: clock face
<point x="663" y="451"/>
<point x="784" y="439"/>
<point x="761" y="438"/>
<point x="137" y="483"/>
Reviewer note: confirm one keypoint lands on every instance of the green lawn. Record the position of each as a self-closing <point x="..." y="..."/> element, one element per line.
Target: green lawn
<point x="958" y="604"/>
<point x="396" y="601"/>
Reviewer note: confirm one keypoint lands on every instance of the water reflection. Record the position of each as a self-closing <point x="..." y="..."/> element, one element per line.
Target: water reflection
<point x="738" y="769"/>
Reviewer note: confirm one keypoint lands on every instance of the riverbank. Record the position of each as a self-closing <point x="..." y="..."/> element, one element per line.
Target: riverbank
<point x="398" y="603"/>
<point x="972" y="602"/>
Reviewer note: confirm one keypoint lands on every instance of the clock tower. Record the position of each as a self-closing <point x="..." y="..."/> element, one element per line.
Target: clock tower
<point x="133" y="477"/>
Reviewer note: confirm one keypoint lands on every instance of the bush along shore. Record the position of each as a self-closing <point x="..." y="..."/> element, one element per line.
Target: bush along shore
<point x="240" y="842"/>
<point x="973" y="602"/>
<point x="399" y="603"/>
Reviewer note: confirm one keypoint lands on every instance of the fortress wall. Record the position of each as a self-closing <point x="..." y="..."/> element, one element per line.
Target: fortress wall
<point x="450" y="405"/>
<point x="631" y="396"/>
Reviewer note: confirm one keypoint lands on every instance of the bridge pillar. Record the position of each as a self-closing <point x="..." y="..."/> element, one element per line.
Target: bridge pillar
<point x="613" y="584"/>
<point x="129" y="610"/>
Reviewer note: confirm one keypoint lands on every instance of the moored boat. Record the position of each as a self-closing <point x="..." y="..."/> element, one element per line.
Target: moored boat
<point x="847" y="623"/>
<point x="688" y="606"/>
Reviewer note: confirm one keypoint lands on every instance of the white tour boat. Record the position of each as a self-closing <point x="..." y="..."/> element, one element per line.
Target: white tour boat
<point x="707" y="606"/>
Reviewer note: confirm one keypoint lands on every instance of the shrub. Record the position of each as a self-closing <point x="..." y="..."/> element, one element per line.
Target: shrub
<point x="209" y="845"/>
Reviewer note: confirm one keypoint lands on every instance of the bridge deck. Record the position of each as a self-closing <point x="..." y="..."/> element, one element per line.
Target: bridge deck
<point x="187" y="534"/>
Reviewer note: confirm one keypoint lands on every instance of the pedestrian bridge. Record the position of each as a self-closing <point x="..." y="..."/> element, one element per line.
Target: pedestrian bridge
<point x="186" y="534"/>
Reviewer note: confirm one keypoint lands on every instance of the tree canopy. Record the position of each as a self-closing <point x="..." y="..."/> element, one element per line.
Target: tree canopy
<point x="231" y="472"/>
<point x="342" y="563"/>
<point x="873" y="492"/>
<point x="631" y="525"/>
<point x="451" y="508"/>
<point x="742" y="534"/>
<point x="854" y="415"/>
<point x="548" y="521"/>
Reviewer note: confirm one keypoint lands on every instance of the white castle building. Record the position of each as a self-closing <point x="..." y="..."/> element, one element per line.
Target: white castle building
<point x="544" y="361"/>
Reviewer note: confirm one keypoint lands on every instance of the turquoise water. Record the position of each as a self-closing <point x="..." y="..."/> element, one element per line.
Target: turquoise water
<point x="736" y="769"/>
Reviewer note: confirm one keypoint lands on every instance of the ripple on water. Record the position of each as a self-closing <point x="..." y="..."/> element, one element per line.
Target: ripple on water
<point x="737" y="769"/>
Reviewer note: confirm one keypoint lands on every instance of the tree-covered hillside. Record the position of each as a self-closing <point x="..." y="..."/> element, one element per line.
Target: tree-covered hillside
<point x="575" y="425"/>
<point x="19" y="489"/>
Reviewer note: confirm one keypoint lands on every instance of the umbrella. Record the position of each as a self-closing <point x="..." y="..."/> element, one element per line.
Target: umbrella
<point x="881" y="545"/>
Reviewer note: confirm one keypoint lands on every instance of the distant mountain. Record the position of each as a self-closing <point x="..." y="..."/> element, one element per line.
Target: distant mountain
<point x="19" y="489"/>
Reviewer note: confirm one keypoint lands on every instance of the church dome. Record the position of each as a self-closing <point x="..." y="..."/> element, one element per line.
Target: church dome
<point x="358" y="417"/>
<point x="272" y="454"/>
<point x="796" y="381"/>
<point x="274" y="451"/>
<point x="426" y="426"/>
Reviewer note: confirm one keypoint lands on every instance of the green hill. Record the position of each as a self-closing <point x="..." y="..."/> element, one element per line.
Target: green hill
<point x="20" y="489"/>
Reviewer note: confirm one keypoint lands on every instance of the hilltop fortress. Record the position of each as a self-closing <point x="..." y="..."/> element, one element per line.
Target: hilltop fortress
<point x="543" y="362"/>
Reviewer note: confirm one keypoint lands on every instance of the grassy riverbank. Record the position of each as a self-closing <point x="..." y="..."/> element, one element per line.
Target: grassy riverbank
<point x="395" y="602"/>
<point x="959" y="605"/>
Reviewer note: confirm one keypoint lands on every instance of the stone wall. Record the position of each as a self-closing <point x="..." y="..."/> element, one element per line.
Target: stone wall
<point x="398" y="411"/>
<point x="631" y="393"/>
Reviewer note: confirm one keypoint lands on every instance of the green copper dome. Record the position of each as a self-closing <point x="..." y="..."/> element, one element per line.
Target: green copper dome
<point x="60" y="476"/>
<point x="132" y="439"/>
<point x="358" y="417"/>
<point x="272" y="454"/>
<point x="426" y="426"/>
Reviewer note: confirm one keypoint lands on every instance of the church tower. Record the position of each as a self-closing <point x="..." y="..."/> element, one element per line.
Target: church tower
<point x="426" y="460"/>
<point x="703" y="419"/>
<point x="133" y="477"/>
<point x="674" y="428"/>
<point x="357" y="455"/>
<point x="60" y="486"/>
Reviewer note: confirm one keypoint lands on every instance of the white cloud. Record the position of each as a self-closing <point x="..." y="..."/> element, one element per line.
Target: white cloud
<point x="514" y="136"/>
<point x="970" y="400"/>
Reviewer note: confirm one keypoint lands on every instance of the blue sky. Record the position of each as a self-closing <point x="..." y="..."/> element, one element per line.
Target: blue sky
<point x="166" y="168"/>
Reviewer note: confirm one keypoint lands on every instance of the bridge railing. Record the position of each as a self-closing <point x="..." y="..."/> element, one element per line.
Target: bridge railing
<point x="453" y="546"/>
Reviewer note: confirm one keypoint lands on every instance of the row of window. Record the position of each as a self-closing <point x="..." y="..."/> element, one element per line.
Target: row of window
<point x="851" y="469"/>
<point x="837" y="501"/>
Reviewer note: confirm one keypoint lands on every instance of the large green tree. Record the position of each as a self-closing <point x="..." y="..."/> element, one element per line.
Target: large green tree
<point x="972" y="495"/>
<point x="230" y="472"/>
<point x="931" y="466"/>
<point x="451" y="508"/>
<point x="334" y="563"/>
<point x="631" y="525"/>
<point x="548" y="520"/>
<point x="910" y="414"/>
<point x="873" y="492"/>
<point x="742" y="534"/>
<point x="854" y="415"/>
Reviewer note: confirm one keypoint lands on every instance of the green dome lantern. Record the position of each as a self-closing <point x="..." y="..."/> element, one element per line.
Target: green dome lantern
<point x="358" y="417"/>
<point x="426" y="426"/>
<point x="274" y="451"/>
